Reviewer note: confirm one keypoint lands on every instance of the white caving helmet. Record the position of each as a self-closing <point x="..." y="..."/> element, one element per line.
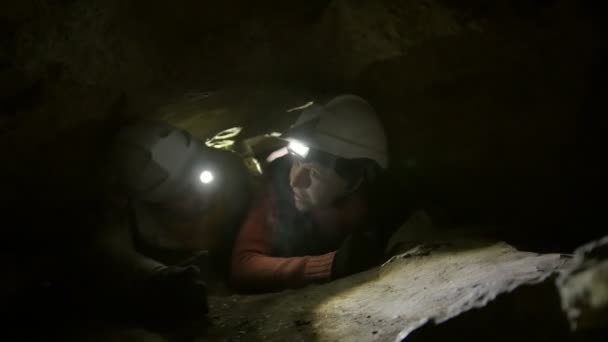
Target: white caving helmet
<point x="158" y="162"/>
<point x="347" y="127"/>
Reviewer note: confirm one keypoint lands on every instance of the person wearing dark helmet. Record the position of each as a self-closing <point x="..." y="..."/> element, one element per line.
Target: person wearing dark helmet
<point x="314" y="222"/>
<point x="177" y="209"/>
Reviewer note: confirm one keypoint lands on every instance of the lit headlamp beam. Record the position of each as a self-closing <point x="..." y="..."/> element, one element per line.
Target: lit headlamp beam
<point x="206" y="177"/>
<point x="298" y="148"/>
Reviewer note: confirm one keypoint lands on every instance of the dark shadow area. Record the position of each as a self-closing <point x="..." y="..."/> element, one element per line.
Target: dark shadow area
<point x="499" y="132"/>
<point x="529" y="313"/>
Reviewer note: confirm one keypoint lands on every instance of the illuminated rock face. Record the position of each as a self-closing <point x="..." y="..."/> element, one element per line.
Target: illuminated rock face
<point x="583" y="287"/>
<point x="390" y="302"/>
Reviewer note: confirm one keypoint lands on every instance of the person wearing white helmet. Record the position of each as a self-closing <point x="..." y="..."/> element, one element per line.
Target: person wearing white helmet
<point x="313" y="223"/>
<point x="180" y="201"/>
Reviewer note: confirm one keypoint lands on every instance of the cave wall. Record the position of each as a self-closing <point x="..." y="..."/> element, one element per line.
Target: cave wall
<point x="488" y="106"/>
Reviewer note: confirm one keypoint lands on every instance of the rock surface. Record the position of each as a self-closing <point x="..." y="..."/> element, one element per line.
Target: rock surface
<point x="583" y="287"/>
<point x="386" y="303"/>
<point x="489" y="105"/>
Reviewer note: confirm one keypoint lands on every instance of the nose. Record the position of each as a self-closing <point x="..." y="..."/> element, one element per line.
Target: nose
<point x="299" y="177"/>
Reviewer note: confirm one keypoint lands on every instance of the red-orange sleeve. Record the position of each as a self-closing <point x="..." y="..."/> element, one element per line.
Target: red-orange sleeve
<point x="253" y="267"/>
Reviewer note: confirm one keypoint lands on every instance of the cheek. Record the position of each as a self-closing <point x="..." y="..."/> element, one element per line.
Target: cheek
<point x="315" y="192"/>
<point x="325" y="193"/>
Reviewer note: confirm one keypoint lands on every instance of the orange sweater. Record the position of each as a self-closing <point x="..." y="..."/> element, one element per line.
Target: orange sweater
<point x="254" y="268"/>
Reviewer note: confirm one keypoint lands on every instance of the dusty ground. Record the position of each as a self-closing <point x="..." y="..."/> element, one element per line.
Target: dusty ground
<point x="385" y="304"/>
<point x="429" y="284"/>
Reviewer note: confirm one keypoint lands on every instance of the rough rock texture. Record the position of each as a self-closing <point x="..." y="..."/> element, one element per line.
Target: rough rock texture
<point x="489" y="106"/>
<point x="583" y="287"/>
<point x="388" y="303"/>
<point x="493" y="110"/>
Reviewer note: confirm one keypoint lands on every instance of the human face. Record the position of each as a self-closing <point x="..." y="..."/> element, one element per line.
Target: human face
<point x="314" y="186"/>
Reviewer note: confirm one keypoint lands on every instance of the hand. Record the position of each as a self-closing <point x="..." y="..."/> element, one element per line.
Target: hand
<point x="359" y="252"/>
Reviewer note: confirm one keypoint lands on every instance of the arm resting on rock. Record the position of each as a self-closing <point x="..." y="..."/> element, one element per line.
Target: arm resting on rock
<point x="255" y="269"/>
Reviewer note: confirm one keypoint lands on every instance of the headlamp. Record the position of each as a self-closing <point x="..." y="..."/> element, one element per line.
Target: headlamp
<point x="206" y="177"/>
<point x="298" y="148"/>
